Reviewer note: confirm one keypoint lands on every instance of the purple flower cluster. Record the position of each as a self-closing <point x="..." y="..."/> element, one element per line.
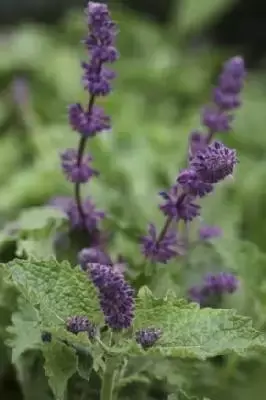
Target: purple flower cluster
<point x="213" y="287"/>
<point x="115" y="294"/>
<point x="209" y="163"/>
<point x="92" y="216"/>
<point x="78" y="324"/>
<point x="77" y="173"/>
<point x="148" y="337"/>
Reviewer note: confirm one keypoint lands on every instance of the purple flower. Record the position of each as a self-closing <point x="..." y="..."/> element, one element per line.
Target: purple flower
<point x="115" y="294"/>
<point x="77" y="173"/>
<point x="102" y="29"/>
<point x="92" y="255"/>
<point x="78" y="324"/>
<point x="160" y="251"/>
<point x="97" y="80"/>
<point x="214" y="163"/>
<point x="148" y="337"/>
<point x="91" y="214"/>
<point x="191" y="183"/>
<point x="179" y="206"/>
<point x="69" y="206"/>
<point x="207" y="232"/>
<point x="88" y="123"/>
<point x="213" y="286"/>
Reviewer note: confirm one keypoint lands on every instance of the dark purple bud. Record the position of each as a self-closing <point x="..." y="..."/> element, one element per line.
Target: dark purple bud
<point x="46" y="337"/>
<point x="78" y="324"/>
<point x="179" y="206"/>
<point x="148" y="337"/>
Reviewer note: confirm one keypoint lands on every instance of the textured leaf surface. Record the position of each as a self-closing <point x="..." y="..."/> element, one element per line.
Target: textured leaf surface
<point x="60" y="364"/>
<point x="25" y="331"/>
<point x="59" y="290"/>
<point x="189" y="331"/>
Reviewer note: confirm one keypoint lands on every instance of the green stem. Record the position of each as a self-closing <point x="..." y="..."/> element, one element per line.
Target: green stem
<point x="108" y="379"/>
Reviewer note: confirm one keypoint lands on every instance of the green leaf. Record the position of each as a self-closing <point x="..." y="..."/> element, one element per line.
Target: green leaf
<point x="24" y="333"/>
<point x="194" y="15"/>
<point x="60" y="364"/>
<point x="37" y="228"/>
<point x="40" y="218"/>
<point x="191" y="332"/>
<point x="85" y="365"/>
<point x="57" y="289"/>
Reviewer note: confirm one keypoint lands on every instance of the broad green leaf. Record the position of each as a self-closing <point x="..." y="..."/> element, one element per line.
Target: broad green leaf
<point x="193" y="15"/>
<point x="24" y="333"/>
<point x="40" y="218"/>
<point x="56" y="288"/>
<point x="85" y="365"/>
<point x="60" y="363"/>
<point x="191" y="332"/>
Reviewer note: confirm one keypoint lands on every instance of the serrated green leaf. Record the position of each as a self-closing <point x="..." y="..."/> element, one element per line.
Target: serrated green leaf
<point x="60" y="364"/>
<point x="191" y="332"/>
<point x="56" y="288"/>
<point x="24" y="333"/>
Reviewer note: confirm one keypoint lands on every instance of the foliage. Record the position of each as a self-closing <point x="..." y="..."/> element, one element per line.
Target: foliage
<point x="154" y="107"/>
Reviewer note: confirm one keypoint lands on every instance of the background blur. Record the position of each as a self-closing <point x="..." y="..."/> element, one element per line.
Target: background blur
<point x="171" y="54"/>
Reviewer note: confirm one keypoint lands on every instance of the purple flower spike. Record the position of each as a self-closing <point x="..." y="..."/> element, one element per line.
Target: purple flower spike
<point x="207" y="232"/>
<point x="214" y="163"/>
<point x="92" y="255"/>
<point x="78" y="324"/>
<point x="87" y="123"/>
<point x="73" y="172"/>
<point x="148" y="337"/>
<point x="162" y="251"/>
<point x="115" y="294"/>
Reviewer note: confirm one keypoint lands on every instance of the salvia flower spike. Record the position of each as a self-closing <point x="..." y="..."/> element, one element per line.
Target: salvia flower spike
<point x="208" y="163"/>
<point x="115" y="294"/>
<point x="90" y="120"/>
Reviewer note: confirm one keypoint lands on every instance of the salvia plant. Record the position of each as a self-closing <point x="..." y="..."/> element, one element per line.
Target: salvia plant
<point x="95" y="318"/>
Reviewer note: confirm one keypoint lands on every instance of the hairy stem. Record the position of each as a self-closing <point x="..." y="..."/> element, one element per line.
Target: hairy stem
<point x="81" y="149"/>
<point x="108" y="380"/>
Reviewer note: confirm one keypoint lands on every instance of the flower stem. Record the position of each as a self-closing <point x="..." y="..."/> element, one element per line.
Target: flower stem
<point x="108" y="379"/>
<point x="81" y="149"/>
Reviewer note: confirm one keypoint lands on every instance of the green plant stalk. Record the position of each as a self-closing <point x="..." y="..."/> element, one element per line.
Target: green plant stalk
<point x="108" y="379"/>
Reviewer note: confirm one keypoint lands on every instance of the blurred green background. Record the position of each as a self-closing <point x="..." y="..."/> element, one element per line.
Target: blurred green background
<point x="171" y="54"/>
